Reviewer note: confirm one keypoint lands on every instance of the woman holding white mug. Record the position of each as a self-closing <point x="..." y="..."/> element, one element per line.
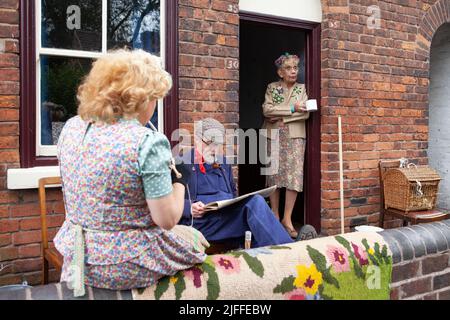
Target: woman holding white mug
<point x="285" y="109"/>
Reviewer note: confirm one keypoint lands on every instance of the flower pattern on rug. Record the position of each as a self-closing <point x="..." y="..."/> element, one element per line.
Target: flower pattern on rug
<point x="344" y="272"/>
<point x="339" y="259"/>
<point x="308" y="279"/>
<point x="341" y="267"/>
<point x="227" y="264"/>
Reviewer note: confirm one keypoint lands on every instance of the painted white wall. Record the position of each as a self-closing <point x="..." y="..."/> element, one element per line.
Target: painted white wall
<point x="307" y="10"/>
<point x="439" y="136"/>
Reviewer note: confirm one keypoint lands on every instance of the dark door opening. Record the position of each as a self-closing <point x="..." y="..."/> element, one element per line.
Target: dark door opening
<point x="261" y="43"/>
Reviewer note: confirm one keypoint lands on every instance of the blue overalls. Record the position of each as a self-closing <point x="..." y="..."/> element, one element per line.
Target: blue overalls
<point x="230" y="223"/>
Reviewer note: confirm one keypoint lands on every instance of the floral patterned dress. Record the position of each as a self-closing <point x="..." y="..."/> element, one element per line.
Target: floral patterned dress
<point x="290" y="154"/>
<point x="108" y="172"/>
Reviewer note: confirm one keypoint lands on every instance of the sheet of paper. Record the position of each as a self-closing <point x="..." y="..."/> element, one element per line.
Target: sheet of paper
<point x="216" y="205"/>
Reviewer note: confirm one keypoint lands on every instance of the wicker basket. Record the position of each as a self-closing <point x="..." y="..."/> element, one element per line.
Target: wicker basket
<point x="411" y="189"/>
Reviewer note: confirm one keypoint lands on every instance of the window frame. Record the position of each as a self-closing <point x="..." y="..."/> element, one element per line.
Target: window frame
<point x="29" y="83"/>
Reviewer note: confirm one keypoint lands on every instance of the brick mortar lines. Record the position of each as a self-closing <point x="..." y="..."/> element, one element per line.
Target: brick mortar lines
<point x="420" y="296"/>
<point x="375" y="54"/>
<point x="420" y="276"/>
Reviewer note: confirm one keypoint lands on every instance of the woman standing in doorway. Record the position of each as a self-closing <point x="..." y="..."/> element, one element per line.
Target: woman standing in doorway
<point x="284" y="110"/>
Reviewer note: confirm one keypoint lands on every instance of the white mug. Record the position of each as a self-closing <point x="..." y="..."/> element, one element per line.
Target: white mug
<point x="311" y="105"/>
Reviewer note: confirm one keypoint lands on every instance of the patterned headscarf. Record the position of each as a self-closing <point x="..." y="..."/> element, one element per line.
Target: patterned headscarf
<point x="279" y="62"/>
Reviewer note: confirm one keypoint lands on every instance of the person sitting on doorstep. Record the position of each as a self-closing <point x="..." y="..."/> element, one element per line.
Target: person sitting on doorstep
<point x="212" y="180"/>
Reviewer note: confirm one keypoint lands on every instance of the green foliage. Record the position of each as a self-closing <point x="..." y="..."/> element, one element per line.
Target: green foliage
<point x="358" y="270"/>
<point x="254" y="264"/>
<point x="180" y="285"/>
<point x="236" y="254"/>
<point x="64" y="77"/>
<point x="140" y="291"/>
<point x="321" y="264"/>
<point x="355" y="288"/>
<point x="280" y="248"/>
<point x="345" y="243"/>
<point x="162" y="287"/>
<point x="213" y="285"/>
<point x="287" y="285"/>
<point x="367" y="247"/>
<point x="384" y="253"/>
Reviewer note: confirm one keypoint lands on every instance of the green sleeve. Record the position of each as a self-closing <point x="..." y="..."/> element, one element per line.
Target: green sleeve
<point x="154" y="159"/>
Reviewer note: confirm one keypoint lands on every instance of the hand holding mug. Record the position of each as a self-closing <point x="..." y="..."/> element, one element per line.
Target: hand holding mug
<point x="300" y="107"/>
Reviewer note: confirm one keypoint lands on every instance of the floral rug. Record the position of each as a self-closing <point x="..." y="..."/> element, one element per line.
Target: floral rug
<point x="356" y="265"/>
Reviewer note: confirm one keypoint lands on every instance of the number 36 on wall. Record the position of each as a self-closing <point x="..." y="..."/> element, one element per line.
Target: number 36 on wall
<point x="232" y="64"/>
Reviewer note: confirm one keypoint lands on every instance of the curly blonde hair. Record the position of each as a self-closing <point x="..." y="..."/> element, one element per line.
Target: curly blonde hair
<point x="120" y="85"/>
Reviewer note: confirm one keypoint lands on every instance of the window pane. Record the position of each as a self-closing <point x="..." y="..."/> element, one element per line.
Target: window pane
<point x="60" y="78"/>
<point x="72" y="24"/>
<point x="134" y="24"/>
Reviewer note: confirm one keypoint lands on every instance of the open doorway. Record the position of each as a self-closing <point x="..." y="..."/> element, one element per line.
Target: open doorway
<point x="262" y="40"/>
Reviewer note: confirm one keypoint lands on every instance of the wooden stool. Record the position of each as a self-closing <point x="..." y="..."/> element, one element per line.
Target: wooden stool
<point x="49" y="255"/>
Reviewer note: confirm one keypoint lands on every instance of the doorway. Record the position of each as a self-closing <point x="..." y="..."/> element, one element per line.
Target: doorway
<point x="262" y="40"/>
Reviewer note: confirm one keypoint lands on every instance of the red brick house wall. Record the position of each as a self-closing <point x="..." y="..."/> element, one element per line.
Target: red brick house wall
<point x="208" y="48"/>
<point x="376" y="79"/>
<point x="19" y="230"/>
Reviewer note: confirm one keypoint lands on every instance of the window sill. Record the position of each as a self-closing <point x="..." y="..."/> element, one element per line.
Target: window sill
<point x="21" y="179"/>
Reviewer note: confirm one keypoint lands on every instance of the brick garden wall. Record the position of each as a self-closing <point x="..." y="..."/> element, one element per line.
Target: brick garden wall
<point x="377" y="80"/>
<point x="421" y="256"/>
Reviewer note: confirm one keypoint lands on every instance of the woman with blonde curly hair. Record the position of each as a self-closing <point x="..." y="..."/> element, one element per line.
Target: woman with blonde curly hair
<point x="121" y="198"/>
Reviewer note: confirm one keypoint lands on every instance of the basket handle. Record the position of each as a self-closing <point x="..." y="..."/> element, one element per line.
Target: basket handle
<point x="419" y="191"/>
<point x="403" y="162"/>
<point x="411" y="165"/>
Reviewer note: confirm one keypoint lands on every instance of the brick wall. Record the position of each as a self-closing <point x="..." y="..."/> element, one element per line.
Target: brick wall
<point x="208" y="50"/>
<point x="421" y="257"/>
<point x="19" y="227"/>
<point x="377" y="80"/>
<point x="209" y="62"/>
<point x="20" y="234"/>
